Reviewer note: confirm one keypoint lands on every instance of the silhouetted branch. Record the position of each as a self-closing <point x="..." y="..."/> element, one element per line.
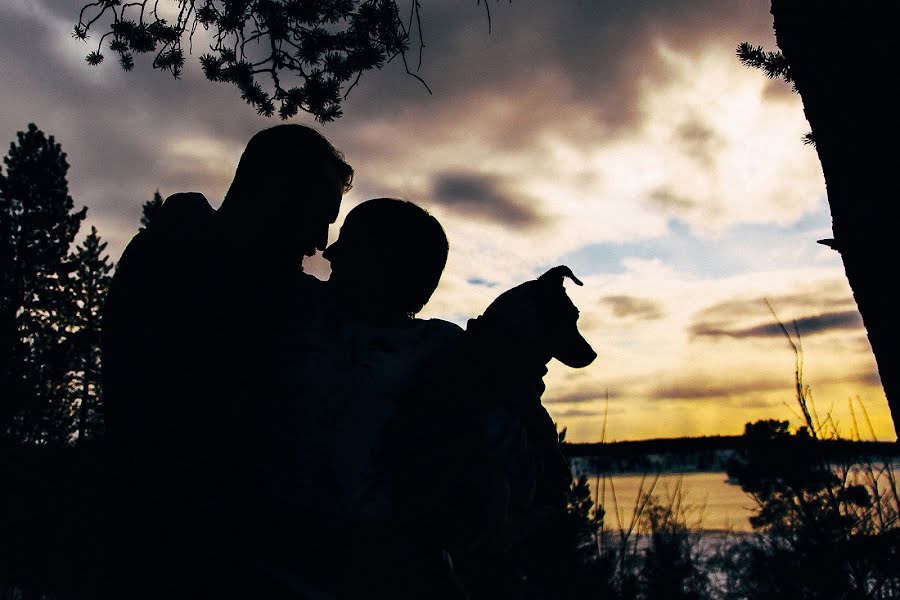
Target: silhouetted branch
<point x="321" y="46"/>
<point x="416" y="6"/>
<point x="773" y="64"/>
<point x="408" y="72"/>
<point x="487" y="10"/>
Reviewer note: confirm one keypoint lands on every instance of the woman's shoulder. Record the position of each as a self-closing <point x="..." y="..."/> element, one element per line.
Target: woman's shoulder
<point x="439" y="328"/>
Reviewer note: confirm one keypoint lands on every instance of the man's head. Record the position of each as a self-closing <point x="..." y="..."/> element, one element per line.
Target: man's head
<point x="388" y="259"/>
<point x="287" y="190"/>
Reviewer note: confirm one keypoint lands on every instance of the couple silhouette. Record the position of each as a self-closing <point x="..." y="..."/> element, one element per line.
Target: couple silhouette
<point x="277" y="436"/>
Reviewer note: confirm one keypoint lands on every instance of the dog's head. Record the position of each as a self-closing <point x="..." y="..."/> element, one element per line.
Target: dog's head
<point x="541" y="312"/>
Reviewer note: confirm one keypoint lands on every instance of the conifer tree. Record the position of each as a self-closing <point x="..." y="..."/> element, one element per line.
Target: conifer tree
<point x="840" y="58"/>
<point x="149" y="209"/>
<point x="88" y="286"/>
<point x="38" y="224"/>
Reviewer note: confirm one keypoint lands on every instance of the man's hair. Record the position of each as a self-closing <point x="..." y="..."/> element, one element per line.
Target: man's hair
<point x="292" y="150"/>
<point x="407" y="240"/>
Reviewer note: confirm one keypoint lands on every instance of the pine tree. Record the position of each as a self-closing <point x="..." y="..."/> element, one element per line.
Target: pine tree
<point x="149" y="210"/>
<point x="38" y="225"/>
<point x="88" y="286"/>
<point x="840" y="58"/>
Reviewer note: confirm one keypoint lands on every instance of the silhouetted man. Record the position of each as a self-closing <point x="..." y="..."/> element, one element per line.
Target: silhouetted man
<point x="187" y="330"/>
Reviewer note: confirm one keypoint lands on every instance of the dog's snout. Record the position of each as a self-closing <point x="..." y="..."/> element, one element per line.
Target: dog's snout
<point x="568" y="345"/>
<point x="572" y="350"/>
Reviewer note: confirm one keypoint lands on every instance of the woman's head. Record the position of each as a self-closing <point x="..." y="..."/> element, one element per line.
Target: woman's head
<point x="389" y="257"/>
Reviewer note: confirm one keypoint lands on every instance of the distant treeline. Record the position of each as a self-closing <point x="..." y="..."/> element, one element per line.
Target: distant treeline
<point x="708" y="453"/>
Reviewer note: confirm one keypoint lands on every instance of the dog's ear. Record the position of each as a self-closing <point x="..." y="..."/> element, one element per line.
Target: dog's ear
<point x="558" y="274"/>
<point x="567" y="344"/>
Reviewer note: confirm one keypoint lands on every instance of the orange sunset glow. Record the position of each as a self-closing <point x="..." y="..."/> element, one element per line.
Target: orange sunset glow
<point x="623" y="139"/>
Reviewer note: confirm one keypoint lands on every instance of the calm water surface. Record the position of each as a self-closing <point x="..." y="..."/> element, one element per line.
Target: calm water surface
<point x="708" y="502"/>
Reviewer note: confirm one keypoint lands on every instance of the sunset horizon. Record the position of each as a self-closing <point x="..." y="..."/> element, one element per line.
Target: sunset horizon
<point x="624" y="140"/>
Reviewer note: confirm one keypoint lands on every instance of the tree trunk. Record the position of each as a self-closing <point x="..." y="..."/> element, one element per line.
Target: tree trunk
<point x="842" y="58"/>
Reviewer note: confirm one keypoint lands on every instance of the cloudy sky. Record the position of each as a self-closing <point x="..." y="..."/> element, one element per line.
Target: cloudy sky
<point x="621" y="138"/>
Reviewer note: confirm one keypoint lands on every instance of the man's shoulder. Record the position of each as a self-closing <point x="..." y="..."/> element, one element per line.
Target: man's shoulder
<point x="185" y="206"/>
<point x="181" y="214"/>
<point x="175" y="241"/>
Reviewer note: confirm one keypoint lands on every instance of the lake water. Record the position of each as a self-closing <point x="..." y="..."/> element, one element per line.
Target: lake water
<point x="706" y="500"/>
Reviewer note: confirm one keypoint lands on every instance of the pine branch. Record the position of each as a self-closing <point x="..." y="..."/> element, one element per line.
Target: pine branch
<point x="773" y="64"/>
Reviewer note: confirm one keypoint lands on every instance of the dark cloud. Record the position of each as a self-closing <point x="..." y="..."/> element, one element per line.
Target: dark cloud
<point x="860" y="344"/>
<point x="595" y="57"/>
<point x="576" y="412"/>
<point x="698" y="140"/>
<point x="701" y="387"/>
<point x="589" y="57"/>
<point x="582" y="395"/>
<point x="806" y="325"/>
<point x="752" y="401"/>
<point x="778" y="89"/>
<point x="867" y="375"/>
<point x="735" y="315"/>
<point x="481" y="282"/>
<point x="600" y="50"/>
<point x="66" y="10"/>
<point x="747" y="392"/>
<point x="869" y="378"/>
<point x="114" y="126"/>
<point x="669" y="200"/>
<point x="483" y="197"/>
<point x="642" y="309"/>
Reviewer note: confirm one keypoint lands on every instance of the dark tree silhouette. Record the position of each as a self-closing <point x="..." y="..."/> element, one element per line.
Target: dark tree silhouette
<point x="854" y="121"/>
<point x="38" y="225"/>
<point x="89" y="283"/>
<point x="305" y="51"/>
<point x="149" y="210"/>
<point x="827" y="529"/>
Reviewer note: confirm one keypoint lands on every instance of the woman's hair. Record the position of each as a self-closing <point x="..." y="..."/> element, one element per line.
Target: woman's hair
<point x="406" y="246"/>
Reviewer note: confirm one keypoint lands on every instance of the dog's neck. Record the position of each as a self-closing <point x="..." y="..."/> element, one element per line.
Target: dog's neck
<point x="508" y="351"/>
